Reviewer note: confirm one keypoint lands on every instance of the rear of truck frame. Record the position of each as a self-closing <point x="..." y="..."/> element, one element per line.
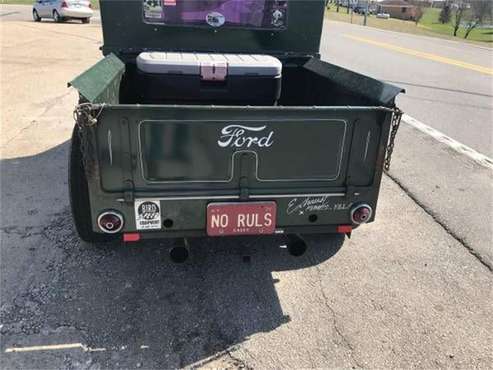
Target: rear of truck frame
<point x="209" y="148"/>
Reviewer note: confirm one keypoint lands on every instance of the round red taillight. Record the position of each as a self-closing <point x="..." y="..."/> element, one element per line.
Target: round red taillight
<point x="110" y="222"/>
<point x="361" y="214"/>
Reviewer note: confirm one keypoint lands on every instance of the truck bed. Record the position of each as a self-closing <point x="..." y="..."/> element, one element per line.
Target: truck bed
<point x="316" y="154"/>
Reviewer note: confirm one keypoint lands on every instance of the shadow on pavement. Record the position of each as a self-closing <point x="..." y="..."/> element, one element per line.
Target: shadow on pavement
<point x="132" y="300"/>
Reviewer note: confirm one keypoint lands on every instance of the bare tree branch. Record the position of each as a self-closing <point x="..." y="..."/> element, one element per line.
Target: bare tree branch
<point x="480" y="10"/>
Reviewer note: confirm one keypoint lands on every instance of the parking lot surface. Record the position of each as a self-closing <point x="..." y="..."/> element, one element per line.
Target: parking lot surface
<point x="405" y="291"/>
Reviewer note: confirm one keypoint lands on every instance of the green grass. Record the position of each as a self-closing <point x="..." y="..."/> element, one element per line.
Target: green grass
<point x="428" y="26"/>
<point x="22" y="2"/>
<point x="95" y="3"/>
<point x="430" y="21"/>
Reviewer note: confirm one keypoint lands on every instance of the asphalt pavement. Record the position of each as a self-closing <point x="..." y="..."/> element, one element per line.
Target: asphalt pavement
<point x="443" y="86"/>
<point x="449" y="87"/>
<point x="413" y="289"/>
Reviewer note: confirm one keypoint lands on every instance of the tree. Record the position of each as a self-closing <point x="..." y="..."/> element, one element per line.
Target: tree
<point x="445" y="14"/>
<point x="480" y="10"/>
<point x="460" y="8"/>
<point x="418" y="15"/>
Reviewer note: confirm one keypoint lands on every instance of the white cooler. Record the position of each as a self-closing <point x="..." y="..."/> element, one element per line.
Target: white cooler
<point x="199" y="78"/>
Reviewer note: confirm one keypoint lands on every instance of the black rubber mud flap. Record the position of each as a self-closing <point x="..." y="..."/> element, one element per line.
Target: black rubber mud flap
<point x="79" y="195"/>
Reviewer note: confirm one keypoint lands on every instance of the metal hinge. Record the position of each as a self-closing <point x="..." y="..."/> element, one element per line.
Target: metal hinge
<point x="244" y="191"/>
<point x="128" y="193"/>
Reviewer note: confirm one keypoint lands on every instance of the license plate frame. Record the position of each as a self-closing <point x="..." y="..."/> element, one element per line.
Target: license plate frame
<point x="243" y="218"/>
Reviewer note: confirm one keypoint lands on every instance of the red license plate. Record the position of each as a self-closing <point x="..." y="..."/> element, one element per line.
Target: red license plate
<point x="241" y="218"/>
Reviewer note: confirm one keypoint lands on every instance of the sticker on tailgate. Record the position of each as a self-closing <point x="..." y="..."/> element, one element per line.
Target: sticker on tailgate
<point x="147" y="214"/>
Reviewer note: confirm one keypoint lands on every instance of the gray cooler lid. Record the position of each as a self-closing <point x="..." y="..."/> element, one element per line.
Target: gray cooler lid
<point x="193" y="63"/>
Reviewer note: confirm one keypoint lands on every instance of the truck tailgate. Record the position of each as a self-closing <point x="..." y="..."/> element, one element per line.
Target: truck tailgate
<point x="193" y="148"/>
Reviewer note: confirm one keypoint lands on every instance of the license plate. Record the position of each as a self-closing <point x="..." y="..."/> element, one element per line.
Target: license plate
<point x="241" y="218"/>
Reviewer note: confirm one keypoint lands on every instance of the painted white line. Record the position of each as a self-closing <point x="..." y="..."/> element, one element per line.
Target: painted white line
<point x="477" y="157"/>
<point x="54" y="347"/>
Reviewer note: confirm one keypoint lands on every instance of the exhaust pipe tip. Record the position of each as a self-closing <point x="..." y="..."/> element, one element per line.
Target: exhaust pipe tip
<point x="179" y="254"/>
<point x="296" y="245"/>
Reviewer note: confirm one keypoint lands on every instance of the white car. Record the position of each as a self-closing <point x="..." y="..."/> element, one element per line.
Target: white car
<point x="383" y="15"/>
<point x="61" y="10"/>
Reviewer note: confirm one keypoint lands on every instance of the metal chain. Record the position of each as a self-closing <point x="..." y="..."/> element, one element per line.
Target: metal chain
<point x="396" y="121"/>
<point x="83" y="114"/>
<point x="86" y="120"/>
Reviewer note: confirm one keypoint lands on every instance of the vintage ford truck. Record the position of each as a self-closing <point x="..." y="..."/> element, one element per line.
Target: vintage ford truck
<point x="219" y="118"/>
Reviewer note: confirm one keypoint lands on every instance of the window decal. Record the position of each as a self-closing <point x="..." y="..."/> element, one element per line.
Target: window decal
<point x="251" y="14"/>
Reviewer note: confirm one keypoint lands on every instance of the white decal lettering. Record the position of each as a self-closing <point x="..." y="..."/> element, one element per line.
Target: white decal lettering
<point x="241" y="220"/>
<point x="239" y="136"/>
<point x="314" y="204"/>
<point x="257" y="221"/>
<point x="215" y="221"/>
<point x="250" y="220"/>
<point x="224" y="220"/>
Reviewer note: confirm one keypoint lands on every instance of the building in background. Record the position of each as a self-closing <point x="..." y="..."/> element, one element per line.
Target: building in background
<point x="399" y="9"/>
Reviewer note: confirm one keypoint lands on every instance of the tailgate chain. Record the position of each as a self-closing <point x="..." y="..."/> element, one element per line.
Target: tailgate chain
<point x="396" y="121"/>
<point x="86" y="117"/>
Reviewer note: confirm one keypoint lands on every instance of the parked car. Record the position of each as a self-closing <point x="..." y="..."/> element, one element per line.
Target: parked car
<point x="383" y="15"/>
<point x="61" y="10"/>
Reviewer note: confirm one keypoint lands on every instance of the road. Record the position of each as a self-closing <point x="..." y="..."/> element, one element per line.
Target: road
<point x="444" y="87"/>
<point x="455" y="99"/>
<point x="449" y="87"/>
<point x="413" y="289"/>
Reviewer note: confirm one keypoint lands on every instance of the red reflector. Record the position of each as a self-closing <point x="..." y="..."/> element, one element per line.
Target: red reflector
<point x="131" y="237"/>
<point x="344" y="229"/>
